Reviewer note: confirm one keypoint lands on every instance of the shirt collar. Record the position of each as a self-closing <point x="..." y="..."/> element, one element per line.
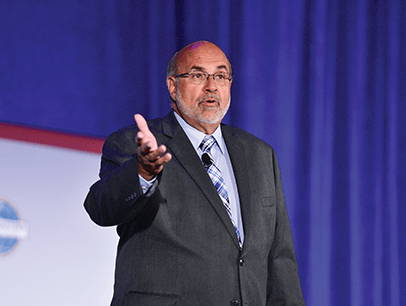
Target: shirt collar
<point x="195" y="136"/>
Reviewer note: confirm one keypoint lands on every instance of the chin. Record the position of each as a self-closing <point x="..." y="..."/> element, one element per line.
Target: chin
<point x="211" y="119"/>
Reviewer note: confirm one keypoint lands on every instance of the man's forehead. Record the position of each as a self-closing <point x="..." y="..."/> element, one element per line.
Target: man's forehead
<point x="197" y="55"/>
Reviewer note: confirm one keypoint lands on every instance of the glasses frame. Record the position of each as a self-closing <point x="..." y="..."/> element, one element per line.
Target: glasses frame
<point x="186" y="75"/>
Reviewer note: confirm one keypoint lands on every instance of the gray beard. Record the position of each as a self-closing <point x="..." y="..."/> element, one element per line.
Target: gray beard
<point x="199" y="114"/>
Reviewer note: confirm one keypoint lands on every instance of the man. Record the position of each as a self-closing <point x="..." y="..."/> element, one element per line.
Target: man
<point x="202" y="220"/>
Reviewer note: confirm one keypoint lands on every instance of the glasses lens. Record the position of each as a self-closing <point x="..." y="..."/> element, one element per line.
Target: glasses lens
<point x="200" y="77"/>
<point x="221" y="77"/>
<point x="197" y="77"/>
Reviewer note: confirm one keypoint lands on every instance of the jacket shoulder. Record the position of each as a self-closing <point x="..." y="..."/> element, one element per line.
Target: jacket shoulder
<point x="245" y="137"/>
<point x="124" y="138"/>
<point x="121" y="142"/>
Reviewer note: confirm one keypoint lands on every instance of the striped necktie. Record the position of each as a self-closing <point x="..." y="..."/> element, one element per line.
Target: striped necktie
<point x="215" y="175"/>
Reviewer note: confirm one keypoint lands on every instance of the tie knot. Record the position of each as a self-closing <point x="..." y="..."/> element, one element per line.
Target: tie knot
<point x="207" y="142"/>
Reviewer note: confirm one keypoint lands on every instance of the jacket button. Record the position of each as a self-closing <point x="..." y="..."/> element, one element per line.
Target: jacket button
<point x="235" y="303"/>
<point x="241" y="262"/>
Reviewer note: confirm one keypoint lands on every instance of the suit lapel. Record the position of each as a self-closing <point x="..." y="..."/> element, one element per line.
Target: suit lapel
<point x="183" y="152"/>
<point x="239" y="160"/>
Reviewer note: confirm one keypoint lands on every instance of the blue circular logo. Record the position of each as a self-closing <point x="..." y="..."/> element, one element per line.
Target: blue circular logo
<point x="12" y="227"/>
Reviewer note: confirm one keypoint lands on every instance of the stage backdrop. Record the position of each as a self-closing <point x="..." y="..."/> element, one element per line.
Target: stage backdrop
<point x="322" y="81"/>
<point x="50" y="251"/>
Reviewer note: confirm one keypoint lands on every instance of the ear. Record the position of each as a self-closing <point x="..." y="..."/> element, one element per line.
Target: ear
<point x="171" y="83"/>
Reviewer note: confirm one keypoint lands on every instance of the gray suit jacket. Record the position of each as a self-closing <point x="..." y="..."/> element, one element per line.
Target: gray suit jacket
<point x="178" y="246"/>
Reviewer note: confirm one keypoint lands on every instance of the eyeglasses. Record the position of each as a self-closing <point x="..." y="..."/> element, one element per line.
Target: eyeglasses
<point x="200" y="77"/>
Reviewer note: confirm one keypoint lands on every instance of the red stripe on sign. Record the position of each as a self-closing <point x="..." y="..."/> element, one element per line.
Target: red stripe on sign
<point x="51" y="138"/>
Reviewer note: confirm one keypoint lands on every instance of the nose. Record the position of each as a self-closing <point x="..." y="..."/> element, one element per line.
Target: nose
<point x="210" y="84"/>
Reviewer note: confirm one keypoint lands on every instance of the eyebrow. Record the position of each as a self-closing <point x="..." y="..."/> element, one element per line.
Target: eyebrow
<point x="199" y="68"/>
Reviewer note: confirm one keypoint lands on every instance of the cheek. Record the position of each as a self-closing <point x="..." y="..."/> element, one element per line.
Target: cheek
<point x="225" y="96"/>
<point x="189" y="95"/>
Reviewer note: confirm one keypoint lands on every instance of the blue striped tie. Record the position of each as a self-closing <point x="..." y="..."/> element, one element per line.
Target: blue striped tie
<point x="217" y="179"/>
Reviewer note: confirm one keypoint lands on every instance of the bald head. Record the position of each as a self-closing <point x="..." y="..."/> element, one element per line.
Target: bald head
<point x="182" y="56"/>
<point x="202" y="103"/>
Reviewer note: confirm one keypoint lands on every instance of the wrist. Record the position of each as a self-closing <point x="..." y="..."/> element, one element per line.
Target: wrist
<point x="148" y="176"/>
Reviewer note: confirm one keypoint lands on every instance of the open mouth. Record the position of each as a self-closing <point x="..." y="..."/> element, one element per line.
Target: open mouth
<point x="210" y="100"/>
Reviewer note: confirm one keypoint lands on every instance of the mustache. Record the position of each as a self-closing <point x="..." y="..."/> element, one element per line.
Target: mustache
<point x="210" y="96"/>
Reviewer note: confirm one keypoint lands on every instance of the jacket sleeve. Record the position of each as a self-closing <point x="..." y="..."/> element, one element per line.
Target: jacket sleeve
<point x="283" y="279"/>
<point x="117" y="196"/>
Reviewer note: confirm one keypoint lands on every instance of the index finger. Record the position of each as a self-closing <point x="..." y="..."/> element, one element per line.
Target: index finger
<point x="141" y="123"/>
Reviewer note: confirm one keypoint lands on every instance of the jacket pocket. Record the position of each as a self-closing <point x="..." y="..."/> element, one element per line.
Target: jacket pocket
<point x="268" y="201"/>
<point x="138" y="298"/>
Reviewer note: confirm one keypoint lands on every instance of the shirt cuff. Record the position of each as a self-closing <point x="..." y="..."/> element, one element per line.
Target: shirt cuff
<point x="148" y="187"/>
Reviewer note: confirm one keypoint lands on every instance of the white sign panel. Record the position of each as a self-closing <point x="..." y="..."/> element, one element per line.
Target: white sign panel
<point x="59" y="256"/>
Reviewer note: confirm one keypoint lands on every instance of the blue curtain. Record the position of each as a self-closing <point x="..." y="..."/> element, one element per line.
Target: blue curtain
<point x="322" y="81"/>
